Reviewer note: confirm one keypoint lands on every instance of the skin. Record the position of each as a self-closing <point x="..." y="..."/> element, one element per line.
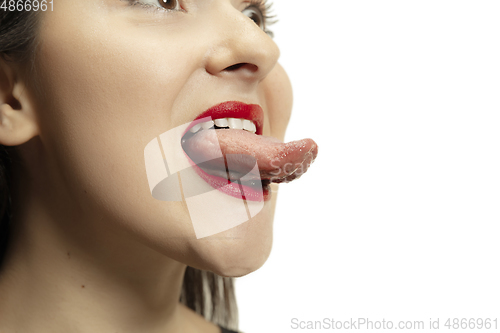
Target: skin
<point x="91" y="250"/>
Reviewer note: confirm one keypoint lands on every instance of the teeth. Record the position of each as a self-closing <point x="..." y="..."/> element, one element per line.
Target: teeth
<point x="208" y="124"/>
<point x="195" y="128"/>
<point x="235" y="123"/>
<point x="232" y="123"/>
<point x="249" y="126"/>
<point x="221" y="122"/>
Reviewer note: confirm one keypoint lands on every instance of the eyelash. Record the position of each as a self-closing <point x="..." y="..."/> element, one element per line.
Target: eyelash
<point x="264" y="6"/>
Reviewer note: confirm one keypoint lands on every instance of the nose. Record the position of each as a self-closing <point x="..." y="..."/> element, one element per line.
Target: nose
<point x="238" y="47"/>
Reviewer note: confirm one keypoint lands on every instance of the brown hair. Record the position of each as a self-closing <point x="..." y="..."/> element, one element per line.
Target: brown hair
<point x="208" y="294"/>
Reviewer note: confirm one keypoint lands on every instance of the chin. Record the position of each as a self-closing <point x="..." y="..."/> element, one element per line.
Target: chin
<point x="238" y="266"/>
<point x="242" y="263"/>
<point x="240" y="250"/>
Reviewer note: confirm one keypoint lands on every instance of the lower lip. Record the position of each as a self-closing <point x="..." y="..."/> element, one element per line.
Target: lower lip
<point x="232" y="189"/>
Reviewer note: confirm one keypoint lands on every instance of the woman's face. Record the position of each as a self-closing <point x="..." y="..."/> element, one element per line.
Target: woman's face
<point x="114" y="76"/>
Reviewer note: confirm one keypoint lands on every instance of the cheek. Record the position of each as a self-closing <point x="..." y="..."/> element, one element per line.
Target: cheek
<point x="105" y="96"/>
<point x="111" y="82"/>
<point x="109" y="91"/>
<point x="279" y="100"/>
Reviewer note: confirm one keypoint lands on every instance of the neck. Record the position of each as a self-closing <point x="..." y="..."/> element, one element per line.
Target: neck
<point x="62" y="273"/>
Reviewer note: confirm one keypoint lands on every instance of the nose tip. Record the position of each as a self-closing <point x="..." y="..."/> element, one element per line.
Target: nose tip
<point x="249" y="56"/>
<point x="240" y="48"/>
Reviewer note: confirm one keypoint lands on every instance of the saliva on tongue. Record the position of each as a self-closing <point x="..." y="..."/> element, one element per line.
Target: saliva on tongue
<point x="277" y="162"/>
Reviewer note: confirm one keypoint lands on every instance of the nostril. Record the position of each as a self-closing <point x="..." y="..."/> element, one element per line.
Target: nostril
<point x="250" y="67"/>
<point x="234" y="67"/>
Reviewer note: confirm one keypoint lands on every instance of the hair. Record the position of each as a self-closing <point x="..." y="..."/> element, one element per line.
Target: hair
<point x="209" y="294"/>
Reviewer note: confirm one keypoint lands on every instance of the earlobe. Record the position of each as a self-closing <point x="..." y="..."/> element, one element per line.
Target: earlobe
<point x="17" y="118"/>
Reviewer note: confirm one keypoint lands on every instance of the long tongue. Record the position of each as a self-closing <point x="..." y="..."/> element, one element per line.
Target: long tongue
<point x="278" y="162"/>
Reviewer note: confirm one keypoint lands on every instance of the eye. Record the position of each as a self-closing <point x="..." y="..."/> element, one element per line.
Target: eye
<point x="256" y="15"/>
<point x="169" y="4"/>
<point x="160" y="4"/>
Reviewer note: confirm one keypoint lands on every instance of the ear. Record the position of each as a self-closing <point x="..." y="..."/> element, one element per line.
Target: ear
<point x="17" y="118"/>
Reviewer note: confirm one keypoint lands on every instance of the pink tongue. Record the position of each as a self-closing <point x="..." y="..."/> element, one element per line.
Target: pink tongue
<point x="278" y="162"/>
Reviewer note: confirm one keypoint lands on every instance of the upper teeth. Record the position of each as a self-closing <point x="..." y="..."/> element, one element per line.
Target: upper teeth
<point x="232" y="123"/>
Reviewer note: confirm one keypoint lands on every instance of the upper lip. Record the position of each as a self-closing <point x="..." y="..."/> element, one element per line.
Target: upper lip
<point x="233" y="109"/>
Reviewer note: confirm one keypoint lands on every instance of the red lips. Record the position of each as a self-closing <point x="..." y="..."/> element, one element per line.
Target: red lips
<point x="277" y="162"/>
<point x="233" y="109"/>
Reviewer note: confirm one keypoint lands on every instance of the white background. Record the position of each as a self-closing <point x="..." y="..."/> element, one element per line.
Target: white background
<point x="398" y="219"/>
